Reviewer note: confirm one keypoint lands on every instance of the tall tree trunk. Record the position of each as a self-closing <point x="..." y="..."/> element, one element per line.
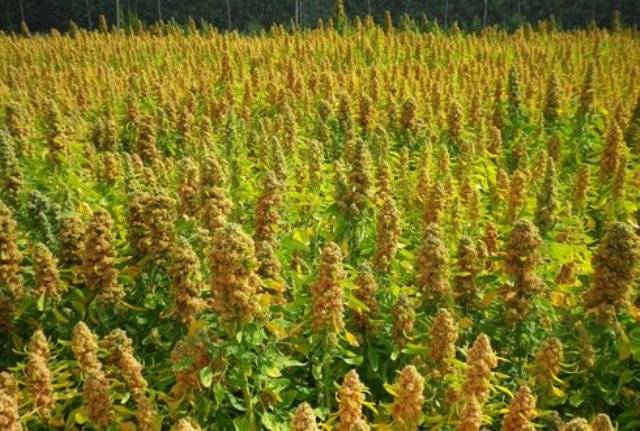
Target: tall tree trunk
<point x="484" y="15"/>
<point x="118" y="14"/>
<point x="228" y="14"/>
<point x="369" y="7"/>
<point x="301" y="12"/>
<point x="593" y="10"/>
<point x="446" y="13"/>
<point x="296" y="11"/>
<point x="89" y="23"/>
<point x="21" y="6"/>
<point x="159" y="7"/>
<point x="519" y="7"/>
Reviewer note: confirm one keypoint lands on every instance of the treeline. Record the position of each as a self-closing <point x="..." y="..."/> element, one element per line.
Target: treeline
<point x="251" y="15"/>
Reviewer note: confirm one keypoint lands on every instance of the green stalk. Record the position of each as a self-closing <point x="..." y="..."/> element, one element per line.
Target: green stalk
<point x="326" y="375"/>
<point x="248" y="403"/>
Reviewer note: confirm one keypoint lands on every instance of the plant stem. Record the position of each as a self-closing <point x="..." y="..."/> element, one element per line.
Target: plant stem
<point x="248" y="403"/>
<point x="326" y="376"/>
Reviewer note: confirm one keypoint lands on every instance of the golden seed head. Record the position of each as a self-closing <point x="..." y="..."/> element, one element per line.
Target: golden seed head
<point x="471" y="415"/>
<point x="267" y="217"/>
<point x="469" y="265"/>
<point x="387" y="233"/>
<point x="189" y="187"/>
<point x="98" y="258"/>
<point x="443" y="335"/>
<point x="359" y="179"/>
<point x="481" y="360"/>
<point x="433" y="265"/>
<point x="612" y="151"/>
<point x="435" y="205"/>
<point x="407" y="405"/>
<point x="96" y="398"/>
<point x="215" y="207"/>
<point x="602" y="422"/>
<point x="304" y="418"/>
<point x="547" y="200"/>
<point x="577" y="424"/>
<point x="234" y="283"/>
<point x="616" y="264"/>
<point x="70" y="237"/>
<point x="549" y="361"/>
<point x="186" y="281"/>
<point x="185" y="425"/>
<point x="408" y="117"/>
<point x="10" y="255"/>
<point x="326" y="292"/>
<point x="581" y="187"/>
<point x="517" y="194"/>
<point x="522" y="257"/>
<point x="84" y="345"/>
<point x="9" y="415"/>
<point x="366" y="293"/>
<point x="38" y="375"/>
<point x="350" y="400"/>
<point x="45" y="268"/>
<point x="522" y="410"/>
<point x="9" y="384"/>
<point x="403" y="316"/>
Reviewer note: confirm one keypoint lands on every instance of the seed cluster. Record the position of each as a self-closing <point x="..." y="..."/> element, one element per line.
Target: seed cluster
<point x="375" y="223"/>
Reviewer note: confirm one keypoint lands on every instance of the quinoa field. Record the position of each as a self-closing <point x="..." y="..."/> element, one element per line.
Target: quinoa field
<point x="359" y="226"/>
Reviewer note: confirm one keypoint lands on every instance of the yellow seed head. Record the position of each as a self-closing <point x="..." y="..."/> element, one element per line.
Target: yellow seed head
<point x="443" y="334"/>
<point x="234" y="283"/>
<point x="433" y="265"/>
<point x="615" y="262"/>
<point x="304" y="419"/>
<point x="326" y="292"/>
<point x="10" y="255"/>
<point x="350" y="399"/>
<point x="47" y="277"/>
<point x="602" y="422"/>
<point x="84" y="345"/>
<point x="522" y="410"/>
<point x="407" y="405"/>
<point x="98" y="258"/>
<point x="403" y="316"/>
<point x="548" y="361"/>
<point x="471" y="415"/>
<point x="387" y="233"/>
<point x="96" y="398"/>
<point x="481" y="360"/>
<point x="38" y="375"/>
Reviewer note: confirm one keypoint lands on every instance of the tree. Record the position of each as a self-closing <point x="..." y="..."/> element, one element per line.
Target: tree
<point x="484" y="14"/>
<point x="446" y="13"/>
<point x="88" y="5"/>
<point x="21" y="6"/>
<point x="228" y="4"/>
<point x="118" y="14"/>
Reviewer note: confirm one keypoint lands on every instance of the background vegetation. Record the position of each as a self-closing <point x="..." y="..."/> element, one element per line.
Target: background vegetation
<point x="350" y="227"/>
<point x="249" y="15"/>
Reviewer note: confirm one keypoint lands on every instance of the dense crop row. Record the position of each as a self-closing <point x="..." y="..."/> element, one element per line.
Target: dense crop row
<point x="344" y="229"/>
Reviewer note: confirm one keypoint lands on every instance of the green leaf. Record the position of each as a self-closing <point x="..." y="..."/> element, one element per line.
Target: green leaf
<point x="206" y="376"/>
<point x="504" y="390"/>
<point x="81" y="417"/>
<point x="270" y="422"/>
<point x="373" y="359"/>
<point x="183" y="364"/>
<point x="218" y="393"/>
<point x="576" y="399"/>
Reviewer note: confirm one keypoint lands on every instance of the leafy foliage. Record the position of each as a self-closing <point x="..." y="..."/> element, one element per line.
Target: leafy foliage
<point x="348" y="227"/>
